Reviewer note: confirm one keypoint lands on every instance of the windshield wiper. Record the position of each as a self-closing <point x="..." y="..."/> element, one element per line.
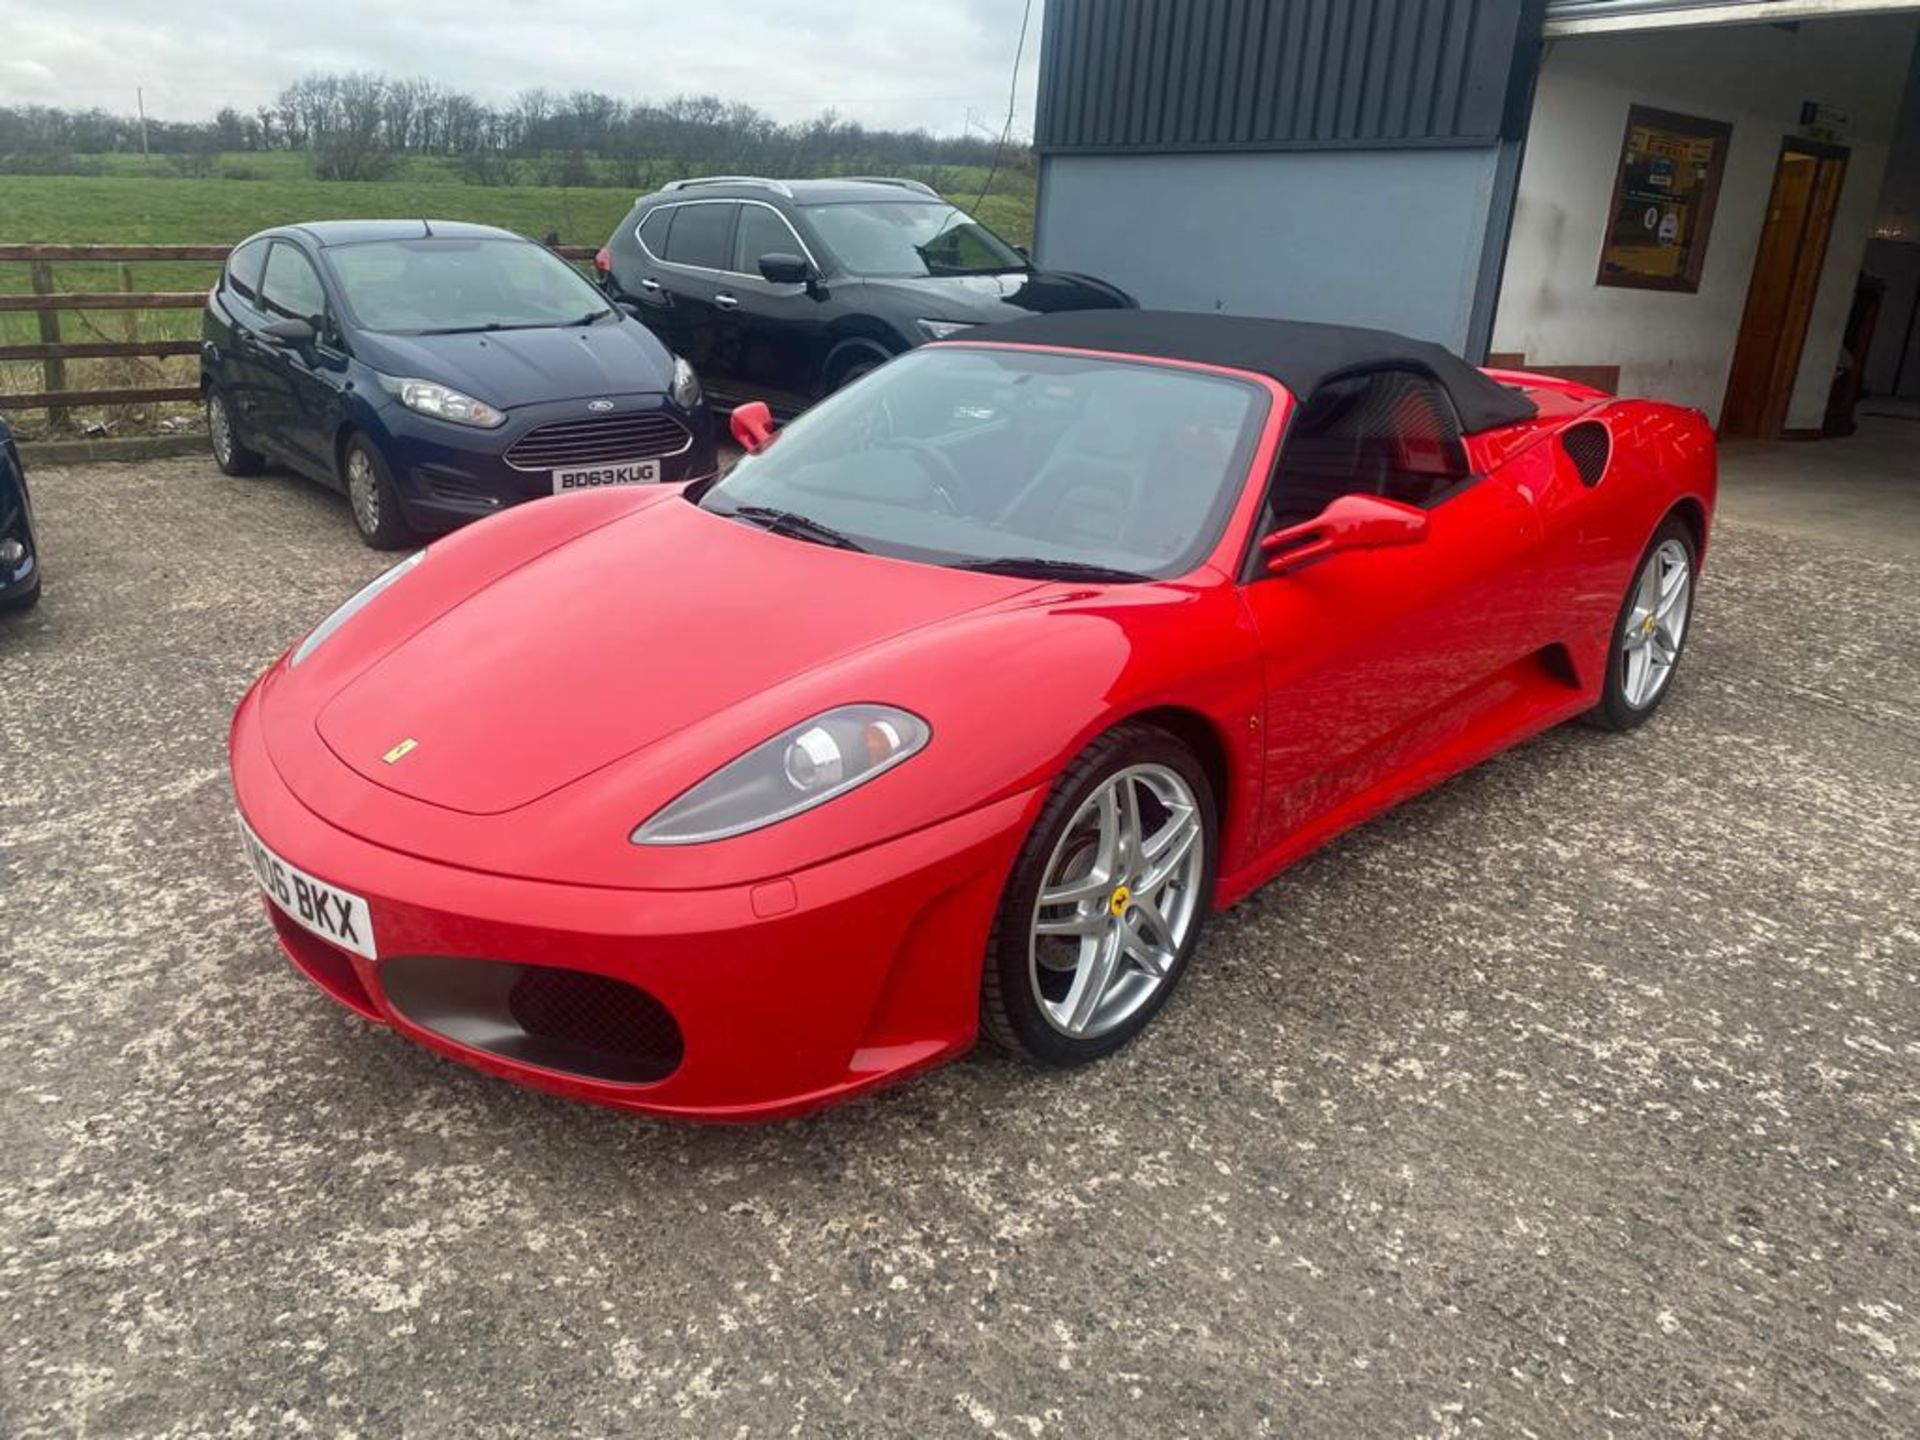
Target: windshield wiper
<point x="592" y="317"/>
<point x="1040" y="567"/>
<point x="793" y="523"/>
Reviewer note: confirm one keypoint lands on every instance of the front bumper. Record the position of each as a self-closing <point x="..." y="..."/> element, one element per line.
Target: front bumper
<point x="790" y="993"/>
<point x="448" y="474"/>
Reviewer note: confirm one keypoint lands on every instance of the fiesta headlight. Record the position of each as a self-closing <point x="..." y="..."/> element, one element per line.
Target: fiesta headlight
<point x="796" y="770"/>
<point x="443" y="402"/>
<point x="686" y="385"/>
<point x="941" y="329"/>
<point x="353" y="606"/>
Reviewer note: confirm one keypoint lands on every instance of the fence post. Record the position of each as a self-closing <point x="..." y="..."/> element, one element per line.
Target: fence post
<point x="53" y="371"/>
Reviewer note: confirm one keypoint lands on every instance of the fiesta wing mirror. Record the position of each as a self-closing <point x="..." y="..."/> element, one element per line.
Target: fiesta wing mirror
<point x="1353" y="522"/>
<point x="291" y="333"/>
<point x="752" y="426"/>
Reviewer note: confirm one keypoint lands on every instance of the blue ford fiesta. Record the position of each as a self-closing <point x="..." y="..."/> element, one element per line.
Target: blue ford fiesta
<point x="19" y="558"/>
<point x="437" y="372"/>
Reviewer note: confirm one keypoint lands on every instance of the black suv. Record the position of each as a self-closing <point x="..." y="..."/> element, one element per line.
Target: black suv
<point x="785" y="290"/>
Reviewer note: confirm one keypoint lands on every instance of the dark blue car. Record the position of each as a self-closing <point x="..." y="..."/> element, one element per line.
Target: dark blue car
<point x="19" y="556"/>
<point x="437" y="372"/>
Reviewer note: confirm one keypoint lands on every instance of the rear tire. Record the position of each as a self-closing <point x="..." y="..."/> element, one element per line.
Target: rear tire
<point x="1650" y="631"/>
<point x="25" y="600"/>
<point x="1126" y="846"/>
<point x="233" y="457"/>
<point x="375" y="503"/>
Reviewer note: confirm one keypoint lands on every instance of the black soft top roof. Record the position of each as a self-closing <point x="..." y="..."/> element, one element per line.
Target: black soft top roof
<point x="1301" y="355"/>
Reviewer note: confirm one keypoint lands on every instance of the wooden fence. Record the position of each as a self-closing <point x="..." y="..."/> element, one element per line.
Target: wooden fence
<point x="47" y="302"/>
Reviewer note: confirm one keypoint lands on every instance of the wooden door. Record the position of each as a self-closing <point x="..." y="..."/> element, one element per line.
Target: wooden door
<point x="1786" y="276"/>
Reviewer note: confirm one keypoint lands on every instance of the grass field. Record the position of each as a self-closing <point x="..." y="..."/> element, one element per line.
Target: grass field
<point x="135" y="203"/>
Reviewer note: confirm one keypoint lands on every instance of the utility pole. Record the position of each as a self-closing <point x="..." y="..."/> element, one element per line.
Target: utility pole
<point x="140" y="99"/>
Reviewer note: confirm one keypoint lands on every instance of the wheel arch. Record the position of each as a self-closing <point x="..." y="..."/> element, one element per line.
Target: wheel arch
<point x="1690" y="512"/>
<point x="1201" y="736"/>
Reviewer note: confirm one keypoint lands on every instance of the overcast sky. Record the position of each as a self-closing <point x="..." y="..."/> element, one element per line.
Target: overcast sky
<point x="895" y="63"/>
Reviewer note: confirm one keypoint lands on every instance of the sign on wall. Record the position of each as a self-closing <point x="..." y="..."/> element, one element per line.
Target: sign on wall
<point x="1663" y="198"/>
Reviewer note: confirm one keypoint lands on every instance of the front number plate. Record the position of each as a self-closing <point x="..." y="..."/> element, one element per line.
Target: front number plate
<point x="335" y="915"/>
<point x="594" y="477"/>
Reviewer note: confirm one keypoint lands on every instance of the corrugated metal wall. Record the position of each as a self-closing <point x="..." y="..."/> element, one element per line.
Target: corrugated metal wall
<point x="1166" y="75"/>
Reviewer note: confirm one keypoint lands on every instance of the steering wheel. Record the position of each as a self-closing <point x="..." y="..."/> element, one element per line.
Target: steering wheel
<point x="946" y="479"/>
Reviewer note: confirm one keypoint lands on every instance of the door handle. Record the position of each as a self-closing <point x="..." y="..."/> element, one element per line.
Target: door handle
<point x="726" y="302"/>
<point x="652" y="287"/>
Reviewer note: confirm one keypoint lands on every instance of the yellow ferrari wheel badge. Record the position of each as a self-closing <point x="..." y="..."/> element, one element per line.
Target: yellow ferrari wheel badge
<point x="1120" y="900"/>
<point x="400" y="752"/>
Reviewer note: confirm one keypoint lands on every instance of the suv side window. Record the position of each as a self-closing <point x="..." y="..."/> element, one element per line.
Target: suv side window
<point x="702" y="234"/>
<point x="762" y="231"/>
<point x="1391" y="433"/>
<point x="291" y="286"/>
<point x="243" y="269"/>
<point x="653" y="231"/>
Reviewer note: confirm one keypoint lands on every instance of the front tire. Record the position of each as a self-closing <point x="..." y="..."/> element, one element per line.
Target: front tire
<point x="1105" y="903"/>
<point x="1651" y="630"/>
<point x="376" y="504"/>
<point x="229" y="453"/>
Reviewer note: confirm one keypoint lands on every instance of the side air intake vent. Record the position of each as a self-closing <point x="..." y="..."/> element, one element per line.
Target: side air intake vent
<point x="1588" y="445"/>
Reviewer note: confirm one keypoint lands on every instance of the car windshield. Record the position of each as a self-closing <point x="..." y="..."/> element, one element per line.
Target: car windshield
<point x="443" y="286"/>
<point x="896" y="238"/>
<point x="1014" y="460"/>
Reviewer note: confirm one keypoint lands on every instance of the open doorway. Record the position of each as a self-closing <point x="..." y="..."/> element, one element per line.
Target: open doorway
<point x="1786" y="275"/>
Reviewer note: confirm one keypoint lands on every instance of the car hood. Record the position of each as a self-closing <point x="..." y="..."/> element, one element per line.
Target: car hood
<point x="597" y="649"/>
<point x="507" y="368"/>
<point x="984" y="299"/>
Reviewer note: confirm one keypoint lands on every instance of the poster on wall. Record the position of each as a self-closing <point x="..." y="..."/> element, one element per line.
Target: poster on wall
<point x="1663" y="197"/>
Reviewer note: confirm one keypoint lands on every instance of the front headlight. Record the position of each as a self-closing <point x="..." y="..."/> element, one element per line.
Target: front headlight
<point x="941" y="329"/>
<point x="443" y="402"/>
<point x="686" y="385"/>
<point x="347" y="611"/>
<point x="794" y="771"/>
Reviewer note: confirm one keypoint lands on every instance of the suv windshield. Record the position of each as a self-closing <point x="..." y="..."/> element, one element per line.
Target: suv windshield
<point x="899" y="238"/>
<point x="429" y="287"/>
<point x="1013" y="460"/>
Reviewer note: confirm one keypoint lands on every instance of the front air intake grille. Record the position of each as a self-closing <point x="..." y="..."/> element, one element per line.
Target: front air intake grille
<point x="1588" y="445"/>
<point x="572" y="1021"/>
<point x="600" y="440"/>
<point x="571" y="1007"/>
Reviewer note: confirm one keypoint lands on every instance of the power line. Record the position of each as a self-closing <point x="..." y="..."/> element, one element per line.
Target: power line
<point x="1013" y="94"/>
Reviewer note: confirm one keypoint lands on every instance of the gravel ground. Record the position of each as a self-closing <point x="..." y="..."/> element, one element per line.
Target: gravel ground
<point x="1576" y="1098"/>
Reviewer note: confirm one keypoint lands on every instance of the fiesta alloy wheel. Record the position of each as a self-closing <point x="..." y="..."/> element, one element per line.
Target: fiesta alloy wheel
<point x="1651" y="631"/>
<point x="229" y="454"/>
<point x="1106" y="902"/>
<point x="376" y="507"/>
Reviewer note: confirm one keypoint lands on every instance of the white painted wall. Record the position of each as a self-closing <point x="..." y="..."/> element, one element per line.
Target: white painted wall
<point x="1675" y="346"/>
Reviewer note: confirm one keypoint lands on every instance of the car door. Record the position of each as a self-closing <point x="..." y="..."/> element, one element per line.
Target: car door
<point x="770" y="333"/>
<point x="693" y="277"/>
<point x="1375" y="659"/>
<point x="302" y="384"/>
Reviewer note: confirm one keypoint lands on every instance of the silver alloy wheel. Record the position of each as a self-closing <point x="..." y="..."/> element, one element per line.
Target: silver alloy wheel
<point x="219" y="428"/>
<point x="363" y="489"/>
<point x="1656" y="624"/>
<point x="1118" y="898"/>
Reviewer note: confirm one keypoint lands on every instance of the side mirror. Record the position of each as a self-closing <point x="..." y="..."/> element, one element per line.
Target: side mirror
<point x="752" y="426"/>
<point x="784" y="269"/>
<point x="1353" y="522"/>
<point x="290" y="333"/>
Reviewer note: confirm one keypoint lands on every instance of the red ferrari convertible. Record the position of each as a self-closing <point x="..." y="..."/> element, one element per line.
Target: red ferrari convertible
<point x="955" y="707"/>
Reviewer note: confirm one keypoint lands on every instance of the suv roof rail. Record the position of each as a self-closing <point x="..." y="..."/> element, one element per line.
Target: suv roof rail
<point x="905" y="184"/>
<point x="778" y="186"/>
